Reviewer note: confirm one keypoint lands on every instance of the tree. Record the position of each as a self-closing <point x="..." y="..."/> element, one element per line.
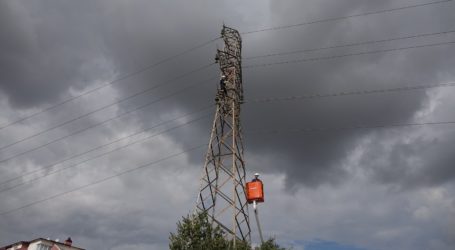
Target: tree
<point x="270" y="244"/>
<point x="195" y="232"/>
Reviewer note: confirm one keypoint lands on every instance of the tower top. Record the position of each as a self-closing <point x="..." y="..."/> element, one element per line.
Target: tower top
<point x="230" y="61"/>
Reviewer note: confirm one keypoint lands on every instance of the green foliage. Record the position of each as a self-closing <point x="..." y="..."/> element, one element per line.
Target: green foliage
<point x="195" y="232"/>
<point x="241" y="245"/>
<point x="270" y="244"/>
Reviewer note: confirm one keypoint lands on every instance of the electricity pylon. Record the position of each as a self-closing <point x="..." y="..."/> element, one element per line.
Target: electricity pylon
<point x="222" y="194"/>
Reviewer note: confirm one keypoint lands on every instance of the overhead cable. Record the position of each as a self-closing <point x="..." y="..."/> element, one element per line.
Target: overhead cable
<point x="148" y="67"/>
<point x="258" y="100"/>
<point x="274" y="131"/>
<point x="345" y="17"/>
<point x="102" y="154"/>
<point x="51" y="166"/>
<point x="346" y="55"/>
<point x="355" y="127"/>
<point x="117" y="116"/>
<point x="101" y="180"/>
<point x="350" y="93"/>
<point x="107" y="106"/>
<point x="121" y="78"/>
<point x="349" y="45"/>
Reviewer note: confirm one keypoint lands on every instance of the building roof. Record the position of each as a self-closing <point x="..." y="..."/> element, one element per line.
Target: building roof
<point x="60" y="245"/>
<point x="17" y="243"/>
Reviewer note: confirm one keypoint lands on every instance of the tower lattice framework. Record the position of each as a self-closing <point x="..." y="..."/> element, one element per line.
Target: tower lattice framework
<point x="222" y="194"/>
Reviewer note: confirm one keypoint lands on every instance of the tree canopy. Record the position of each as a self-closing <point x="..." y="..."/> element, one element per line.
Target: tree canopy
<point x="195" y="232"/>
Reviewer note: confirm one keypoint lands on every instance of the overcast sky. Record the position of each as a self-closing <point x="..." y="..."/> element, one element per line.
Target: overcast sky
<point x="353" y="189"/>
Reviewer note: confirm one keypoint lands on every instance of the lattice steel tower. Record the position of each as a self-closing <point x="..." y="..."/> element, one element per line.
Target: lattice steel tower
<point x="222" y="194"/>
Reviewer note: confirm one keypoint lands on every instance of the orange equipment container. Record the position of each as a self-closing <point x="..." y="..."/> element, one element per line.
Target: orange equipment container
<point x="255" y="191"/>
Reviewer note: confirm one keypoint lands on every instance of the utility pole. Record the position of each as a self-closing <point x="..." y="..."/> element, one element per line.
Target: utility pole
<point x="222" y="194"/>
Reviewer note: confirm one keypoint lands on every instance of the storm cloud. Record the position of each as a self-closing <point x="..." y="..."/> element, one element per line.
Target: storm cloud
<point x="374" y="188"/>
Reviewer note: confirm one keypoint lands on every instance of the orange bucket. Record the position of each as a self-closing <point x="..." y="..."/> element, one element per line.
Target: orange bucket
<point x="255" y="191"/>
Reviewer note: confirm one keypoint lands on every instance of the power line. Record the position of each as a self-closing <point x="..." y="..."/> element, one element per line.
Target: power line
<point x="205" y="44"/>
<point x="101" y="180"/>
<point x="405" y="88"/>
<point x="106" y="121"/>
<point x="251" y="66"/>
<point x="50" y="166"/>
<point x="349" y="93"/>
<point x="102" y="154"/>
<point x="107" y="106"/>
<point x="270" y="99"/>
<point x="346" y="55"/>
<point x="304" y="130"/>
<point x="128" y="75"/>
<point x="346" y="17"/>
<point x="148" y="67"/>
<point x="381" y="126"/>
<point x="350" y="45"/>
<point x="260" y="100"/>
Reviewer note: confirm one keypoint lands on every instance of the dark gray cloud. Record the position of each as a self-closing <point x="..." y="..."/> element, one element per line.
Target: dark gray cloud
<point x="312" y="159"/>
<point x="44" y="56"/>
<point x="52" y="50"/>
